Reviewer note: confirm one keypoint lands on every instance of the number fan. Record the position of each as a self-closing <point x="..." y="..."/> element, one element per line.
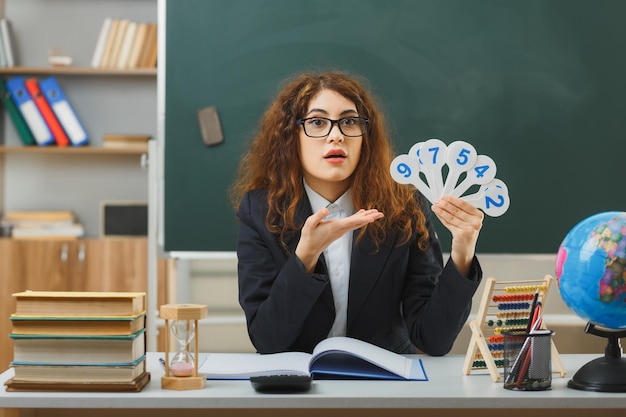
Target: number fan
<point x="427" y="162"/>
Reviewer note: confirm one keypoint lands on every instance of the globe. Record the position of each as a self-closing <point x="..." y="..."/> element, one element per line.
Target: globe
<point x="591" y="269"/>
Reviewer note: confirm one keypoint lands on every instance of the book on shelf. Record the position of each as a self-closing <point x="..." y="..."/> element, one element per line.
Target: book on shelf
<point x="127" y="44"/>
<point x="138" y="42"/>
<point x="64" y="111"/>
<point x="49" y="216"/>
<point x="151" y="60"/>
<point x="104" y="350"/>
<point x="135" y="146"/>
<point x="34" y="223"/>
<point x="53" y="231"/>
<point x="137" y="142"/>
<point x="42" y="225"/>
<point x="50" y="386"/>
<point x="37" y="219"/>
<point x="108" y="45"/>
<point x="98" y="52"/>
<point x="126" y="138"/>
<point x="332" y="358"/>
<point x="61" y="139"/>
<point x="88" y="325"/>
<point x="3" y="54"/>
<point x="79" y="303"/>
<point x="149" y="52"/>
<point x="16" y="116"/>
<point x="78" y="373"/>
<point x="7" y="43"/>
<point x="117" y="43"/>
<point x="29" y="110"/>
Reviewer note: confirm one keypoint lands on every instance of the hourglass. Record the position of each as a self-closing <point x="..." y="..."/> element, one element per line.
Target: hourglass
<point x="181" y="321"/>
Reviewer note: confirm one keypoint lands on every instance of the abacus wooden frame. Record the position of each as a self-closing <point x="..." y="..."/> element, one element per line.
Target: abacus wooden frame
<point x="479" y="326"/>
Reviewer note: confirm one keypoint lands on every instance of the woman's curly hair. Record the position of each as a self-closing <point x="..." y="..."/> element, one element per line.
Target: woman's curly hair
<point x="272" y="162"/>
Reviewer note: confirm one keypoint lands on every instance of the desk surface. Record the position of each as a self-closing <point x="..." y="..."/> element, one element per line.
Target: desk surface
<point x="447" y="388"/>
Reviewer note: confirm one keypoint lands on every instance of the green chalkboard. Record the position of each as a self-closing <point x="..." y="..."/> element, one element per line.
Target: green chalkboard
<point x="538" y="85"/>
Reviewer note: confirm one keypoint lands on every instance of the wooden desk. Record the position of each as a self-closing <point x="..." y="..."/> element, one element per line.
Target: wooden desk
<point x="448" y="393"/>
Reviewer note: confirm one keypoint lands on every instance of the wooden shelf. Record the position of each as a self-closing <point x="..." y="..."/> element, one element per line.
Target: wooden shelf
<point x="150" y="72"/>
<point x="78" y="150"/>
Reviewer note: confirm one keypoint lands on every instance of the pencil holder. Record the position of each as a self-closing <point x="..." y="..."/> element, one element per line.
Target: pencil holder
<point x="527" y="360"/>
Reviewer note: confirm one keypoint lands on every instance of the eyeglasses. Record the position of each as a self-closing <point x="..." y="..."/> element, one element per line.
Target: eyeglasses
<point x="320" y="127"/>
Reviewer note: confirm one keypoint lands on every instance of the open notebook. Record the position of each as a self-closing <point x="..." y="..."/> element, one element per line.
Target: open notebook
<point x="332" y="358"/>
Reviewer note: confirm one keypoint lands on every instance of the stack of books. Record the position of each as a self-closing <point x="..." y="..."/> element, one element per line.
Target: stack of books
<point x="78" y="341"/>
<point x="41" y="225"/>
<point x="124" y="44"/>
<point x="41" y="112"/>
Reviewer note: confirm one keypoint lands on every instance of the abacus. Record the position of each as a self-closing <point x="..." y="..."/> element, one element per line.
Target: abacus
<point x="504" y="306"/>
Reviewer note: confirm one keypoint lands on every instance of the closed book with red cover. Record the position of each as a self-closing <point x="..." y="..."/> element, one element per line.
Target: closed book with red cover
<point x="46" y="111"/>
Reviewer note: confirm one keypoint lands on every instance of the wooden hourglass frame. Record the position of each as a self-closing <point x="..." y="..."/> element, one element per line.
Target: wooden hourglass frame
<point x="189" y="313"/>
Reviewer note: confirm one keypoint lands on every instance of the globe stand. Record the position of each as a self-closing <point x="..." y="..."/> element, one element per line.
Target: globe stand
<point x="607" y="374"/>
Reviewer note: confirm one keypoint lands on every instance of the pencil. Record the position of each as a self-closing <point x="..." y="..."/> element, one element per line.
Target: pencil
<point x="527" y="352"/>
<point x="532" y="311"/>
<point x="524" y="353"/>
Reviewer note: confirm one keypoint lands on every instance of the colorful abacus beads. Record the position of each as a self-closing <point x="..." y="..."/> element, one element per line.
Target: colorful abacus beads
<point x="516" y="322"/>
<point x="526" y="289"/>
<point x="513" y="306"/>
<point x="499" y="298"/>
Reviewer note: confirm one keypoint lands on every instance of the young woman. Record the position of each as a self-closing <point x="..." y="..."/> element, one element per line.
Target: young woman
<point x="330" y="245"/>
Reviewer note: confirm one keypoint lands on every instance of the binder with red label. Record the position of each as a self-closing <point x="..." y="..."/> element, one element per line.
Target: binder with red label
<point x="46" y="111"/>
